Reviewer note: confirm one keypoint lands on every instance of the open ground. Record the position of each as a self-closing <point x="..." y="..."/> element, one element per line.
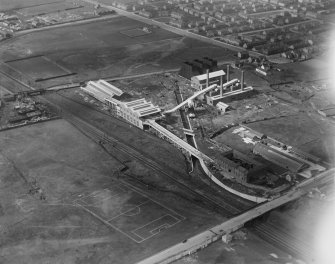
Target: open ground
<point x="89" y="215"/>
<point x="102" y="49"/>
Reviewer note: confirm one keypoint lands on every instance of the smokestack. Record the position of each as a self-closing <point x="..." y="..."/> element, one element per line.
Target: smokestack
<point x="221" y="84"/>
<point x="207" y="81"/>
<point x="242" y="80"/>
<point x="228" y="68"/>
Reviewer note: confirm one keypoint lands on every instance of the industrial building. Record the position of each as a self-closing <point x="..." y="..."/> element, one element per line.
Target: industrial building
<point x="240" y="167"/>
<point x="197" y="66"/>
<point x="134" y="111"/>
<point x="101" y="90"/>
<point x="202" y="81"/>
<point x="137" y="111"/>
<point x="222" y="107"/>
<point x="279" y="158"/>
<point x="235" y="91"/>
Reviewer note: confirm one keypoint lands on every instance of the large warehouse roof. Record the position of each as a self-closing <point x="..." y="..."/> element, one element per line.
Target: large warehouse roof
<point x="110" y="87"/>
<point x="102" y="90"/>
<point x="142" y="107"/>
<point x="278" y="158"/>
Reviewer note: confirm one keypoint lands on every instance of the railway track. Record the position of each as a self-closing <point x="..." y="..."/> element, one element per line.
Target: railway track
<point x="230" y="201"/>
<point x="15" y="85"/>
<point x="269" y="233"/>
<point x="225" y="208"/>
<point x="284" y="240"/>
<point x="228" y="207"/>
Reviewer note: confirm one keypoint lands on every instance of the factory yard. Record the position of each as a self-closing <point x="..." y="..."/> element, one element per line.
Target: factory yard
<point x="63" y="200"/>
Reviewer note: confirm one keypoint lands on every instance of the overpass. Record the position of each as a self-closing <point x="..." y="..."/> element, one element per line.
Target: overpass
<point x="209" y="88"/>
<point x="177" y="141"/>
<point x="215" y="233"/>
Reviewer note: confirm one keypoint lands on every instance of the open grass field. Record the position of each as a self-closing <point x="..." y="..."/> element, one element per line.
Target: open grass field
<point x="44" y="8"/>
<point x="100" y="49"/>
<point x="309" y="133"/>
<point x="43" y="67"/>
<point x="17" y="4"/>
<point x="89" y="215"/>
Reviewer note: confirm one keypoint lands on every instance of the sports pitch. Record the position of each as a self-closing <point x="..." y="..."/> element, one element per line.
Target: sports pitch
<point x="129" y="212"/>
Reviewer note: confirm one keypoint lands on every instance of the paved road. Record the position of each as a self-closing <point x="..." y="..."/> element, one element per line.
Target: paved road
<point x="203" y="239"/>
<point x="74" y="85"/>
<point x="65" y="24"/>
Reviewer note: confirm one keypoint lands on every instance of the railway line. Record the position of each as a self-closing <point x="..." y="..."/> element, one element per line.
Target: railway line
<point x="15" y="85"/>
<point x="235" y="203"/>
<point x="283" y="240"/>
<point x="228" y="206"/>
<point x="224" y="208"/>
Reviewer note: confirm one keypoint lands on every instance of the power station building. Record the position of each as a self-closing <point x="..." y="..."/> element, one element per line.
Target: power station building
<point x="197" y="66"/>
<point x="134" y="111"/>
<point x="200" y="82"/>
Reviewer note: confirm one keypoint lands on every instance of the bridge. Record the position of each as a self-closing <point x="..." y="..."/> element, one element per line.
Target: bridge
<point x="176" y="140"/>
<point x="209" y="88"/>
<point x="215" y="233"/>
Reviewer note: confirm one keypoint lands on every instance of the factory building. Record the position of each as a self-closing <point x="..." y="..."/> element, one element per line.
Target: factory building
<point x="137" y="111"/>
<point x="101" y="90"/>
<point x="200" y="82"/>
<point x="197" y="66"/>
<point x="279" y="158"/>
<point x="134" y="111"/>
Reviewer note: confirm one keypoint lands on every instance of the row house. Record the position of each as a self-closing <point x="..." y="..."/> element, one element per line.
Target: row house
<point x="178" y="23"/>
<point x="177" y="15"/>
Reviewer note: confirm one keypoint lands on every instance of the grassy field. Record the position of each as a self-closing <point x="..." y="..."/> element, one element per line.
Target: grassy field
<point x="43" y="67"/>
<point x="17" y="4"/>
<point x="100" y="49"/>
<point x="89" y="214"/>
<point x="308" y="132"/>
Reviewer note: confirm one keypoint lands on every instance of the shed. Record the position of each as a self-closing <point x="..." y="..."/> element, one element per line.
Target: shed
<point x="222" y="107"/>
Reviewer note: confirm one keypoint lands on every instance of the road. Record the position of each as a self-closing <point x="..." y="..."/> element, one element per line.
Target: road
<point x="203" y="239"/>
<point x="109" y="79"/>
<point x="178" y="31"/>
<point x="64" y="24"/>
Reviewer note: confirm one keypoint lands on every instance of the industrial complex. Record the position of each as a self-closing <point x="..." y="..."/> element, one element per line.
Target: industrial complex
<point x="155" y="132"/>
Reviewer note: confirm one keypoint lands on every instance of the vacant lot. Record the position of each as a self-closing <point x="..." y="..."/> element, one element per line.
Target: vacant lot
<point x="308" y="132"/>
<point x="43" y="67"/>
<point x="89" y="215"/>
<point x="102" y="49"/>
<point x="17" y="4"/>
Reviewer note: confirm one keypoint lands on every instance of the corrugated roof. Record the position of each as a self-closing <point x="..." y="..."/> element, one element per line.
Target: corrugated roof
<point x="150" y="111"/>
<point x="135" y="102"/>
<point x="110" y="87"/>
<point x="142" y="107"/>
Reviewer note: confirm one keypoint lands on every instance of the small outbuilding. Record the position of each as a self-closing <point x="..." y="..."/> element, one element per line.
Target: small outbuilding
<point x="222" y="107"/>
